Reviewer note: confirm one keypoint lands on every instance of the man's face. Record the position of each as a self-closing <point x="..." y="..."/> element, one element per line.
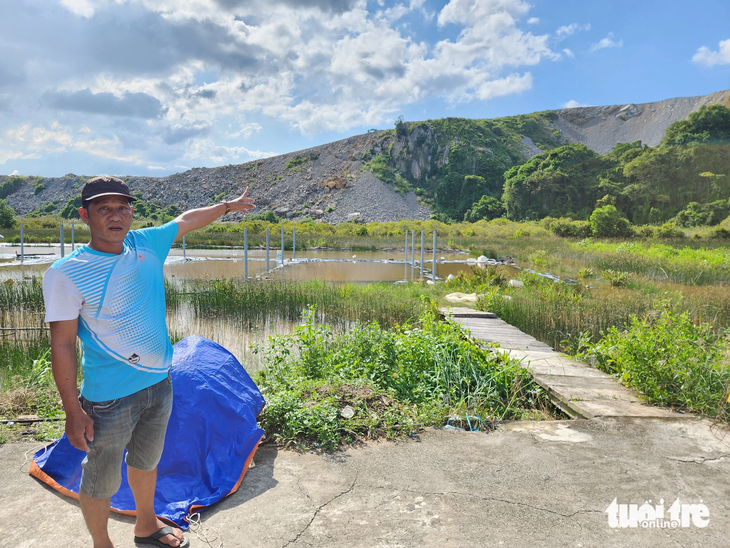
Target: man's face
<point x="109" y="219"/>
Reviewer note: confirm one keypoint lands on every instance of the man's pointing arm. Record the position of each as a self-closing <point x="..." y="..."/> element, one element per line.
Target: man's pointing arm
<point x="194" y="219"/>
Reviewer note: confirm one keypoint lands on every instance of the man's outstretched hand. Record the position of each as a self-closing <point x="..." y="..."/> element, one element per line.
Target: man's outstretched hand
<point x="242" y="203"/>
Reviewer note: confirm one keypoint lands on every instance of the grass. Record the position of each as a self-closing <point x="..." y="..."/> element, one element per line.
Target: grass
<point x="669" y="358"/>
<point x="339" y="304"/>
<point x="327" y="390"/>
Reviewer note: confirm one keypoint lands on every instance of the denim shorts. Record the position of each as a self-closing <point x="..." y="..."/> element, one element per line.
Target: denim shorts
<point x="136" y="422"/>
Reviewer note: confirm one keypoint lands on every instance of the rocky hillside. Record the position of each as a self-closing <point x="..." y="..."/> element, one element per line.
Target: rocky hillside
<point x="600" y="128"/>
<point x="377" y="176"/>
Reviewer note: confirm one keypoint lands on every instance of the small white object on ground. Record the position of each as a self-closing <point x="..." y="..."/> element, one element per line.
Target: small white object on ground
<point x="461" y="297"/>
<point x="482" y="259"/>
<point x="348" y="412"/>
<point x="516" y="283"/>
<point x="450" y="277"/>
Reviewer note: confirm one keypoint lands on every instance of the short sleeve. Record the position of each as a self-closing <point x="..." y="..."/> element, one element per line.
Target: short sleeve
<point x="62" y="297"/>
<point x="160" y="238"/>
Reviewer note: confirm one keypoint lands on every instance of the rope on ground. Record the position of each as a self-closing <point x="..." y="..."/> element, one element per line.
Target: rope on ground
<point x="207" y="536"/>
<point x="33" y="449"/>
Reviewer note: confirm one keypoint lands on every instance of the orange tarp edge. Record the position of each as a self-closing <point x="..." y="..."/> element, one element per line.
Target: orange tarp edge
<point x="36" y="472"/>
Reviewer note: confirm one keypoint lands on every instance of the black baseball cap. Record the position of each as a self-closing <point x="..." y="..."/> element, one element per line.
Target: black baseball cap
<point x="105" y="186"/>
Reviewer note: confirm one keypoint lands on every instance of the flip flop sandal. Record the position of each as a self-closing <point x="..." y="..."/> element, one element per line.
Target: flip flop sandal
<point x="154" y="538"/>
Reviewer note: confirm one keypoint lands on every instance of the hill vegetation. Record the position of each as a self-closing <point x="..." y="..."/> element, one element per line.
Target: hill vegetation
<point x="478" y="169"/>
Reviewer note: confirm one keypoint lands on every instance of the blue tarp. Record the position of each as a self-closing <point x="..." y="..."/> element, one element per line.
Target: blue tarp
<point x="211" y="434"/>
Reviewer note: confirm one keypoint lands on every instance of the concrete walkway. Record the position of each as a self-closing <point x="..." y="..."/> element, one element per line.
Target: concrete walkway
<point x="580" y="390"/>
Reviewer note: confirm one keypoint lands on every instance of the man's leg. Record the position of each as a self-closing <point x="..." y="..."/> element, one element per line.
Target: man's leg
<point x="143" y="485"/>
<point x="96" y="516"/>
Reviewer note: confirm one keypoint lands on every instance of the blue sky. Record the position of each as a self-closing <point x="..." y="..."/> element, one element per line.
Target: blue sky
<point x="152" y="87"/>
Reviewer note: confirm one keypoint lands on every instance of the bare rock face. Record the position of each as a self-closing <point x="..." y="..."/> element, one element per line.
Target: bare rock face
<point x="602" y="128"/>
<point x="327" y="183"/>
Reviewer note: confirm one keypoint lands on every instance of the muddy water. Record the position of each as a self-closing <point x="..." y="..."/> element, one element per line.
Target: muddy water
<point x="238" y="336"/>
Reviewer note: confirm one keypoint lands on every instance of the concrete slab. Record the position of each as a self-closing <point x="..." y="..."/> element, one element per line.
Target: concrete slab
<point x="578" y="389"/>
<point x="529" y="484"/>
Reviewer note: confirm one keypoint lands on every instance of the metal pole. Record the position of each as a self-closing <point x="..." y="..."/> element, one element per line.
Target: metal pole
<point x="406" y="261"/>
<point x="73" y="240"/>
<point x="413" y="252"/>
<point x="422" y="240"/>
<point x="62" y="242"/>
<point x="267" y="249"/>
<point x="293" y="243"/>
<point x="245" y="252"/>
<point x="22" y="251"/>
<point x="433" y="272"/>
<point x="185" y="254"/>
<point x="282" y="246"/>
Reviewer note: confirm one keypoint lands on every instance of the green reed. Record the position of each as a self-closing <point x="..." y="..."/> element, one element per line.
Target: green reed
<point x="255" y="301"/>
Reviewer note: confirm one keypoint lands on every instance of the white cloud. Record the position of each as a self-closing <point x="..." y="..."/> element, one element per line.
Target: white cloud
<point x="155" y="168"/>
<point x="707" y="57"/>
<point x="82" y="8"/>
<point x="568" y="30"/>
<point x="15" y="172"/>
<point x="607" y="42"/>
<point x="574" y="104"/>
<point x="228" y="66"/>
<point x="568" y="52"/>
<point x="505" y="86"/>
<point x="207" y="149"/>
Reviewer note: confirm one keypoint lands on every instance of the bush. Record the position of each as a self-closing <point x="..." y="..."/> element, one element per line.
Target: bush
<point x="607" y="222"/>
<point x="669" y="230"/>
<point x="7" y="215"/>
<point x="390" y="380"/>
<point x="567" y="228"/>
<point x="669" y="359"/>
<point x="11" y="186"/>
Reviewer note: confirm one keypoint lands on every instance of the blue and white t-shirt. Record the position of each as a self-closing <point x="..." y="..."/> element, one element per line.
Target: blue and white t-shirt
<point x="119" y="301"/>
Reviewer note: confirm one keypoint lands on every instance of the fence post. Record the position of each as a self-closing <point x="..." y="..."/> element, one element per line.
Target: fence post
<point x="406" y="260"/>
<point x="433" y="272"/>
<point x="245" y="252"/>
<point x="73" y="240"/>
<point x="282" y="246"/>
<point x="413" y="252"/>
<point x="293" y="243"/>
<point x="422" y="241"/>
<point x="62" y="243"/>
<point x="185" y="253"/>
<point x="22" y="251"/>
<point x="267" y="249"/>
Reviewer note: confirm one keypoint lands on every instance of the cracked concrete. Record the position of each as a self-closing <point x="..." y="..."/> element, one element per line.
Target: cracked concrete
<point x="528" y="484"/>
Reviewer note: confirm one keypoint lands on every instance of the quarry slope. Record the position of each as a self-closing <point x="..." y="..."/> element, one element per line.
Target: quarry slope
<point x="330" y="182"/>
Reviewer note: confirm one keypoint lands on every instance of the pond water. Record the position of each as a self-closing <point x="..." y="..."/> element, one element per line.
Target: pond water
<point x="236" y="335"/>
<point x="338" y="266"/>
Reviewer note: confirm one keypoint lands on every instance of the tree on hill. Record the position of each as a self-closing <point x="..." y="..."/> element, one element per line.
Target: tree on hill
<point x="564" y="182"/>
<point x="707" y="125"/>
<point x="7" y="215"/>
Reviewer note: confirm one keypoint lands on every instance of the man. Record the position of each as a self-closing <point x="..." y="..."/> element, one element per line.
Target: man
<point x="110" y="293"/>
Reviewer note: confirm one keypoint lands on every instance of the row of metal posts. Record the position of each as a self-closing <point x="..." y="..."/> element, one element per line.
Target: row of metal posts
<point x="245" y="249"/>
<point x="413" y="254"/>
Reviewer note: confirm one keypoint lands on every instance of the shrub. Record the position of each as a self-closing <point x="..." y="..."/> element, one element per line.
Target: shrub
<point x="607" y="222"/>
<point x="568" y="228"/>
<point x="7" y="215"/>
<point x="669" y="358"/>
